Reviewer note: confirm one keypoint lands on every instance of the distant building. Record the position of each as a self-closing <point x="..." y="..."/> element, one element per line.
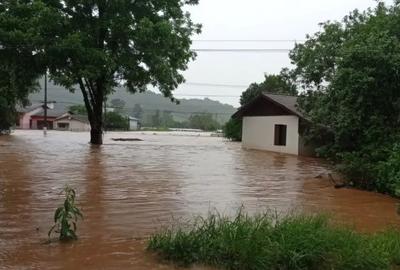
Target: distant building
<point x="32" y="117"/>
<point x="72" y="122"/>
<point x="134" y="123"/>
<point x="272" y="122"/>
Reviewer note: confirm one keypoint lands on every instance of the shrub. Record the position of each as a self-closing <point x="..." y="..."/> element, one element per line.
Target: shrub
<point x="66" y="216"/>
<point x="389" y="173"/>
<point x="233" y="129"/>
<point x="271" y="242"/>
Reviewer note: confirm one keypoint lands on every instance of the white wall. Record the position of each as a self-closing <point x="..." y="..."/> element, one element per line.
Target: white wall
<point x="258" y="133"/>
<point x="133" y="124"/>
<point x="73" y="125"/>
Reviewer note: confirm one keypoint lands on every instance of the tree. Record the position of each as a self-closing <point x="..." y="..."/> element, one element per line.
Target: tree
<point x="350" y="70"/>
<point x="78" y="109"/>
<point x="20" y="67"/>
<point x="6" y="115"/>
<point x="116" y="121"/>
<point x="98" y="45"/>
<point x="156" y="119"/>
<point x="204" y="121"/>
<point x="137" y="111"/>
<point x="279" y="84"/>
<point x="233" y="129"/>
<point x="118" y="104"/>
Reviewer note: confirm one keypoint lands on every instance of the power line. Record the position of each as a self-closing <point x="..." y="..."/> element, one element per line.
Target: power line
<point x="216" y="85"/>
<point x="202" y="95"/>
<point x="241" y="50"/>
<point x="270" y="50"/>
<point x="150" y="110"/>
<point x="249" y="40"/>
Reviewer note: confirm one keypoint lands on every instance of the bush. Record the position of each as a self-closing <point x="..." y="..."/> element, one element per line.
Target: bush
<point x="389" y="173"/>
<point x="116" y="121"/>
<point x="233" y="129"/>
<point x="270" y="242"/>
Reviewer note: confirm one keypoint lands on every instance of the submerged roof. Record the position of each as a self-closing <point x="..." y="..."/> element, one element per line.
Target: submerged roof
<point x="78" y="117"/>
<point x="57" y="110"/>
<point x="286" y="102"/>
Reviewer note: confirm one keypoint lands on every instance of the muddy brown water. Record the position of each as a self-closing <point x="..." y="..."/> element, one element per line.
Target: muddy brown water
<point x="127" y="190"/>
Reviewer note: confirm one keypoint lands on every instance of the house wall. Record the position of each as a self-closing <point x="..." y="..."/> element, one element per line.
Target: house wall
<point x="37" y="122"/>
<point x="133" y="125"/>
<point x="73" y="125"/>
<point x="258" y="133"/>
<point x="25" y="119"/>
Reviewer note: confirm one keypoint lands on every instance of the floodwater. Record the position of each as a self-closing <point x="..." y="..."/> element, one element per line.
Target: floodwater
<point x="127" y="190"/>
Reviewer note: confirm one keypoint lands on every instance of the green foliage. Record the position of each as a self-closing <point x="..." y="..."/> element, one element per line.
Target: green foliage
<point x="279" y="84"/>
<point x="66" y="217"/>
<point x="99" y="45"/>
<point x="271" y="242"/>
<point x="350" y="70"/>
<point x="116" y="121"/>
<point x="118" y="105"/>
<point x="78" y="109"/>
<point x="137" y="111"/>
<point x="204" y="122"/>
<point x="20" y="66"/>
<point x="233" y="129"/>
<point x="7" y="115"/>
<point x="389" y="172"/>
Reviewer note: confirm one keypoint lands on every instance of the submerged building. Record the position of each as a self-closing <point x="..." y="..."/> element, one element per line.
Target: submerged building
<point x="273" y="122"/>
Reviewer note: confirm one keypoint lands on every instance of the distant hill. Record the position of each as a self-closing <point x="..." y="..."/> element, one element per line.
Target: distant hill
<point x="150" y="102"/>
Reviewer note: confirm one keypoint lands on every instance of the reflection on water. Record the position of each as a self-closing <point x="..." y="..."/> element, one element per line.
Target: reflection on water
<point x="128" y="189"/>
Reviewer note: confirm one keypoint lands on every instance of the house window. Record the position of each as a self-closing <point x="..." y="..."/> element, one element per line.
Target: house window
<point x="63" y="125"/>
<point x="280" y="135"/>
<point x="40" y="124"/>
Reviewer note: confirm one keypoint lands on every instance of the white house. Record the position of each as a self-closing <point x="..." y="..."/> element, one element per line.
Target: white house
<point x="72" y="122"/>
<point x="272" y="122"/>
<point x="133" y="123"/>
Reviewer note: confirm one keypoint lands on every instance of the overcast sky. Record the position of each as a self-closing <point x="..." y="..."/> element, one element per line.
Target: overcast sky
<point x="252" y="20"/>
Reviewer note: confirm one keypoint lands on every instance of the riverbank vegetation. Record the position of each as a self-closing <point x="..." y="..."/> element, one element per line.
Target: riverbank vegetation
<point x="271" y="242"/>
<point x="350" y="70"/>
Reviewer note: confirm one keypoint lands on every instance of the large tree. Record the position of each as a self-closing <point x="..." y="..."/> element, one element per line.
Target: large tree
<point x="97" y="45"/>
<point x="351" y="72"/>
<point x="281" y="83"/>
<point x="20" y="66"/>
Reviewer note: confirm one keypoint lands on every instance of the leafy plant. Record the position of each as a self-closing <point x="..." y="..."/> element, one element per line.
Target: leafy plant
<point x="66" y="216"/>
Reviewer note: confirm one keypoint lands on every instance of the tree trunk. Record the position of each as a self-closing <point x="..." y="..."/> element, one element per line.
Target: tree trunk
<point x="93" y="95"/>
<point x="96" y="136"/>
<point x="96" y="124"/>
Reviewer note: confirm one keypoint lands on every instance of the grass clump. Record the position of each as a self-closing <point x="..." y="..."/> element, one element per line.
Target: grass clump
<point x="271" y="242"/>
<point x="66" y="216"/>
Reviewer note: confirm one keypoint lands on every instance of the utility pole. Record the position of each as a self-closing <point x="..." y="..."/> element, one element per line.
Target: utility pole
<point x="45" y="104"/>
<point x="105" y="115"/>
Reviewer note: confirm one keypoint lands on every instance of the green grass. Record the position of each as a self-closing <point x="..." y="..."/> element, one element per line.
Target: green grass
<point x="271" y="242"/>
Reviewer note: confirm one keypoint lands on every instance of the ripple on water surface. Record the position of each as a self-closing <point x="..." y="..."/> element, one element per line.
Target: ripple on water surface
<point x="129" y="189"/>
